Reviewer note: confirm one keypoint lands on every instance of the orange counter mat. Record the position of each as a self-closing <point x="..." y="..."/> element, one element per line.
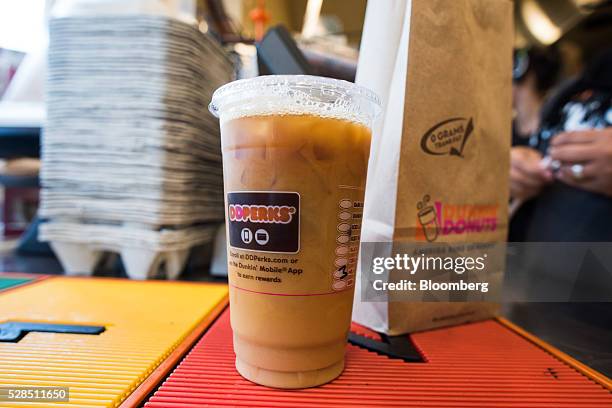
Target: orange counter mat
<point x="144" y="323"/>
<point x="485" y="364"/>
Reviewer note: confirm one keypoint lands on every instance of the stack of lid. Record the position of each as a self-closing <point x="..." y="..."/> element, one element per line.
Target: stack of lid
<point x="131" y="155"/>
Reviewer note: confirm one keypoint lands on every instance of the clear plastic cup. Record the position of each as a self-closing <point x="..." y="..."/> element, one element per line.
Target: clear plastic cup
<point x="295" y="156"/>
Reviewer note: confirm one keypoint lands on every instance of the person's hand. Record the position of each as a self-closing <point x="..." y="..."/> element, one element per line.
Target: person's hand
<point x="586" y="159"/>
<point x="527" y="174"/>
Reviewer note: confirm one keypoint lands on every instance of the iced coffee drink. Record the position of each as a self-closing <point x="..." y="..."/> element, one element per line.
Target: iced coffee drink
<point x="295" y="155"/>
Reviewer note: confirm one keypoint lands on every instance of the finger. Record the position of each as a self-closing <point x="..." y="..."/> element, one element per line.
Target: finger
<point x="524" y="184"/>
<point x="532" y="170"/>
<point x="524" y="179"/>
<point x="575" y="137"/>
<point x="584" y="184"/>
<point x="521" y="191"/>
<point x="574" y="153"/>
<point x="588" y="173"/>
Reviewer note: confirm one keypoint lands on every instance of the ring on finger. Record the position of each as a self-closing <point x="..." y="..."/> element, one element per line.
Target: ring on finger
<point x="577" y="171"/>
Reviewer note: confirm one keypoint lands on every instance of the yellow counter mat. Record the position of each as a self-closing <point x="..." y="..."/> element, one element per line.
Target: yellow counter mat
<point x="144" y="322"/>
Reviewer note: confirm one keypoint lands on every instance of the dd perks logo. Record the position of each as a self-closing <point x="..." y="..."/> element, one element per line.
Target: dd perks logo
<point x="261" y="213"/>
<point x="448" y="137"/>
<point x="265" y="221"/>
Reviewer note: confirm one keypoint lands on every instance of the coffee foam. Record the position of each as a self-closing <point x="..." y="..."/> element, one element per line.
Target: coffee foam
<point x="295" y="95"/>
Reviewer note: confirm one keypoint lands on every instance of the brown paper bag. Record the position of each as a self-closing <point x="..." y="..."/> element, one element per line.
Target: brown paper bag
<point x="440" y="155"/>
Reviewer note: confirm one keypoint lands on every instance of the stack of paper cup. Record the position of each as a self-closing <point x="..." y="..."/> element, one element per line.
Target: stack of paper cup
<point x="131" y="156"/>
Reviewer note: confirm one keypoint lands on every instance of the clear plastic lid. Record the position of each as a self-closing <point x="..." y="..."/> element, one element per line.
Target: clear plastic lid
<point x="295" y="95"/>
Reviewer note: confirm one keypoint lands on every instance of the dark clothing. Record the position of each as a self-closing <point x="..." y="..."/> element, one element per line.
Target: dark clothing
<point x="590" y="109"/>
<point x="563" y="214"/>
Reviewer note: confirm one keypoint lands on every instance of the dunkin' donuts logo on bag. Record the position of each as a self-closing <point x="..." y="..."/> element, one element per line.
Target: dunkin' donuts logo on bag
<point x="448" y="137"/>
<point x="441" y="219"/>
<point x="264" y="221"/>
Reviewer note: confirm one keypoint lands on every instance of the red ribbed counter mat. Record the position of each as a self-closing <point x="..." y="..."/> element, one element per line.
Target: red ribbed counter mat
<point x="475" y="365"/>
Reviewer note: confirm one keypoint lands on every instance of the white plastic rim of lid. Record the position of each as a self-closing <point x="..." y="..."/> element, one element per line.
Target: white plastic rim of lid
<point x="295" y="95"/>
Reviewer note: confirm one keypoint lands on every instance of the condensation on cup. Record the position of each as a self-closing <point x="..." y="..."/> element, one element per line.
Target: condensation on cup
<point x="295" y="156"/>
